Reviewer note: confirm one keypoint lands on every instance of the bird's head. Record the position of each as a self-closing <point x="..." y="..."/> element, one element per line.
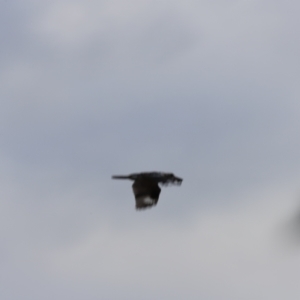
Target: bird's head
<point x="170" y="178"/>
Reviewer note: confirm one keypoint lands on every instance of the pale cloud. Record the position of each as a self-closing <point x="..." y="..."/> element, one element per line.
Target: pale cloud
<point x="207" y="90"/>
<point x="235" y="249"/>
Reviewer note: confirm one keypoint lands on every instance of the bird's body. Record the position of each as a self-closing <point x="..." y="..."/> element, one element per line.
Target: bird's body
<point x="145" y="186"/>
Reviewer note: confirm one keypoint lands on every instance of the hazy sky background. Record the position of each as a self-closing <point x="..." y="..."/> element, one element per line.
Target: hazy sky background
<point x="208" y="90"/>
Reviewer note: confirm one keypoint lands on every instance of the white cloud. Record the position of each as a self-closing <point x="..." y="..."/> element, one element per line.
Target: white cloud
<point x="207" y="90"/>
<point x="230" y="253"/>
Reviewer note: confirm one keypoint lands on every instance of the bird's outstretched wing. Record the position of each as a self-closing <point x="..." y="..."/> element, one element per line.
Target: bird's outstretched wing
<point x="146" y="193"/>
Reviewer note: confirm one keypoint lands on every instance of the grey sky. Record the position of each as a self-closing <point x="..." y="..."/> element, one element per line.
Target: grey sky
<point x="205" y="89"/>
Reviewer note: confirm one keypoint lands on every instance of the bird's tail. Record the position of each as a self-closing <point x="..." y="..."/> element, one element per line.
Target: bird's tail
<point x="120" y="177"/>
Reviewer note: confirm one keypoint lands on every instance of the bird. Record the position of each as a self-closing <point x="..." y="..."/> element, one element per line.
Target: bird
<point x="146" y="186"/>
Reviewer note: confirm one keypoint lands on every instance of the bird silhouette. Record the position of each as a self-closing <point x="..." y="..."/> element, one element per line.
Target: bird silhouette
<point x="145" y="186"/>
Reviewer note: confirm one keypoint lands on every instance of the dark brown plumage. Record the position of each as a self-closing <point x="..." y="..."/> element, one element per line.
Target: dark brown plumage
<point x="145" y="186"/>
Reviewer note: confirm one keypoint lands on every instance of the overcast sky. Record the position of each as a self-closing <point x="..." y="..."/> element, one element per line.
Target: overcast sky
<point x="208" y="90"/>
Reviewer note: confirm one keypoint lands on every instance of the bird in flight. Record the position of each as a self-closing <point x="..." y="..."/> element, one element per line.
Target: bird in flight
<point x="145" y="186"/>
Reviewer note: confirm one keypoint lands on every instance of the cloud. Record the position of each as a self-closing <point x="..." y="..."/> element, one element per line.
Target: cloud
<point x="207" y="90"/>
<point x="233" y="248"/>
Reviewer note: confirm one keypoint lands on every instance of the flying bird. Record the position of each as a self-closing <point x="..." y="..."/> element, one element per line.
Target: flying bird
<point x="145" y="186"/>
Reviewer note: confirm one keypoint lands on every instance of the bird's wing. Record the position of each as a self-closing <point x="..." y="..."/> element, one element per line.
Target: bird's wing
<point x="146" y="193"/>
